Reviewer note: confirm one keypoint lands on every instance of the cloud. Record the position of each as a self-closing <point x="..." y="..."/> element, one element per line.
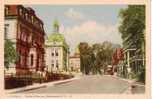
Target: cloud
<point x="91" y="32"/>
<point x="71" y="13"/>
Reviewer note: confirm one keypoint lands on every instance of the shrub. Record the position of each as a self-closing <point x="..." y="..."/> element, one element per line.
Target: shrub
<point x="15" y="82"/>
<point x="141" y="75"/>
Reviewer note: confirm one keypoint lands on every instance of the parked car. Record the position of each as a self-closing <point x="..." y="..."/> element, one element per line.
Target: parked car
<point x="109" y="70"/>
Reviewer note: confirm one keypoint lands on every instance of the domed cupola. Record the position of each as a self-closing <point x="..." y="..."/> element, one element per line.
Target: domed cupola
<point x="56" y="36"/>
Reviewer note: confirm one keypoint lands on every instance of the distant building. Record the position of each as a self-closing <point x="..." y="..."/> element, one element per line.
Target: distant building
<point x="25" y="30"/>
<point x="57" y="51"/>
<point x="75" y="62"/>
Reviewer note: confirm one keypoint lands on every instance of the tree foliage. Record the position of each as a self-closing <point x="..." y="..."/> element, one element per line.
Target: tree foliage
<point x="96" y="57"/>
<point x="85" y="57"/>
<point x="132" y="24"/>
<point x="10" y="53"/>
<point x="132" y="29"/>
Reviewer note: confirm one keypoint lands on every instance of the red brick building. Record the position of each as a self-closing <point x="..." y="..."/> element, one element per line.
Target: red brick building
<point x="25" y="29"/>
<point x="117" y="59"/>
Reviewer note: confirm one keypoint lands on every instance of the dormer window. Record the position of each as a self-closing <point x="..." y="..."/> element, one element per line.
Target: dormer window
<point x="20" y="11"/>
<point x="41" y="26"/>
<point x="26" y="16"/>
<point x="32" y="19"/>
<point x="36" y="23"/>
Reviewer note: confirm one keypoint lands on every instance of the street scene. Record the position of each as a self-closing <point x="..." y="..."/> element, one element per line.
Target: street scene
<point x="75" y="49"/>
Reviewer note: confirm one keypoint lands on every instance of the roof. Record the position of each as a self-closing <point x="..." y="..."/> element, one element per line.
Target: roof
<point x="71" y="57"/>
<point x="56" y="37"/>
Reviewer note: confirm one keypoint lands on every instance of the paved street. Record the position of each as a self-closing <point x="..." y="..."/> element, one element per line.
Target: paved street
<point x="87" y="84"/>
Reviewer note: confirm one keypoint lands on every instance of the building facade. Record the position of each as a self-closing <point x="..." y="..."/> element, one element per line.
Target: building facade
<point x="118" y="62"/>
<point x="134" y="57"/>
<point x="26" y="31"/>
<point x="57" y="51"/>
<point x="75" y="62"/>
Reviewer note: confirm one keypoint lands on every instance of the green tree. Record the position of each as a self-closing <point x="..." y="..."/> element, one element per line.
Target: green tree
<point x="86" y="57"/>
<point x="96" y="57"/>
<point x="132" y="29"/>
<point x="98" y="62"/>
<point x="108" y="51"/>
<point x="10" y="54"/>
<point x="132" y="25"/>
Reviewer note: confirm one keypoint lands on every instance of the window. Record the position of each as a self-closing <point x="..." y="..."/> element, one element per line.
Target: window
<point x="25" y="38"/>
<point x="36" y="23"/>
<point x="41" y="26"/>
<point x="52" y="54"/>
<point x="21" y="59"/>
<point x="26" y="16"/>
<point x="32" y="19"/>
<point x="52" y="51"/>
<point x="57" y="64"/>
<point x="20" y="11"/>
<point x="52" y="61"/>
<point x="32" y="39"/>
<point x="7" y="10"/>
<point x="52" y="65"/>
<point x="22" y="36"/>
<point x="6" y="31"/>
<point x="56" y="53"/>
<point x="29" y="38"/>
<point x="19" y="32"/>
<point x="31" y="59"/>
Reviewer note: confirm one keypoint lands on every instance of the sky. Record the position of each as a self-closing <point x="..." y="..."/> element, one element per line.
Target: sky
<point x="82" y="23"/>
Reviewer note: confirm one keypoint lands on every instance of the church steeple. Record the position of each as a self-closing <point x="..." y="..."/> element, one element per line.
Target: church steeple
<point x="56" y="26"/>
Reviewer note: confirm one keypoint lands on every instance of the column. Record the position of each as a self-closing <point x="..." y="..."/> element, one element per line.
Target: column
<point x="128" y="65"/>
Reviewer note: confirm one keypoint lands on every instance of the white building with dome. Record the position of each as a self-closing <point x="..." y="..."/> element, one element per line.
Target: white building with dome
<point x="57" y="51"/>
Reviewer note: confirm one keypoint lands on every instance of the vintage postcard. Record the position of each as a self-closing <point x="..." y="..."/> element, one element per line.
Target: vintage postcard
<point x="76" y="50"/>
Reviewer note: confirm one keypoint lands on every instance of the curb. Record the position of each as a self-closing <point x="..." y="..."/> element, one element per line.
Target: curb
<point x="128" y="80"/>
<point x="26" y="88"/>
<point x="37" y="86"/>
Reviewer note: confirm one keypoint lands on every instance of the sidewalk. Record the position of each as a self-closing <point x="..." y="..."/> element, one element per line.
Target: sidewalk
<point x="134" y="88"/>
<point x="37" y="86"/>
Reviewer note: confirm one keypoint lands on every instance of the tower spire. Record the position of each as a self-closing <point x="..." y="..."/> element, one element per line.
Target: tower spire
<point x="56" y="26"/>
